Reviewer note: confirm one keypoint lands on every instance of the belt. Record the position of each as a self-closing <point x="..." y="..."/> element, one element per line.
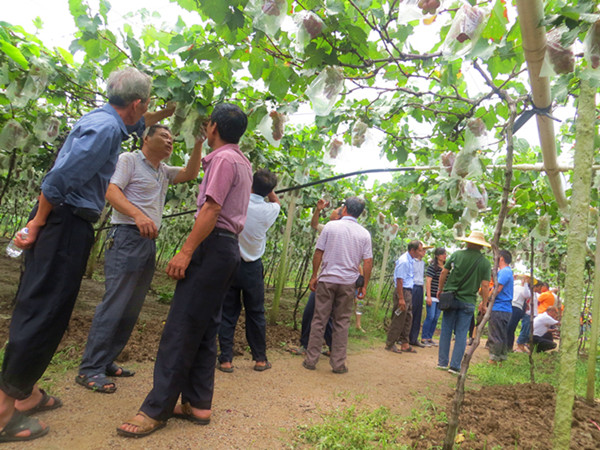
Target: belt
<point x="126" y="225"/>
<point x="87" y="214"/>
<point x="224" y="233"/>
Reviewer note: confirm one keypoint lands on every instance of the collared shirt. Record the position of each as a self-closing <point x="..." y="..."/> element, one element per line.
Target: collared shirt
<point x="345" y="243"/>
<point x="405" y="269"/>
<point x="143" y="185"/>
<point x="228" y="181"/>
<point x="87" y="160"/>
<point x="253" y="239"/>
<point x="419" y="271"/>
<point x="504" y="298"/>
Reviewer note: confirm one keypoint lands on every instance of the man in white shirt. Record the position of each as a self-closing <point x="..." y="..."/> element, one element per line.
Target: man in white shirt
<point x="542" y="330"/>
<point x="248" y="283"/>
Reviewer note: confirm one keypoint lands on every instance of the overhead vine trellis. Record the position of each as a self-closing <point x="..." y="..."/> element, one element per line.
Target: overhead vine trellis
<point x="360" y="67"/>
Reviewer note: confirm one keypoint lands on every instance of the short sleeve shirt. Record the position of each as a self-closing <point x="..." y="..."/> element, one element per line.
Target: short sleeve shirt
<point x="253" y="239"/>
<point x="228" y="182"/>
<point x="503" y="301"/>
<point x="545" y="300"/>
<point x="345" y="243"/>
<point x="405" y="270"/>
<point x="419" y="266"/>
<point x="458" y="264"/>
<point x="143" y="185"/>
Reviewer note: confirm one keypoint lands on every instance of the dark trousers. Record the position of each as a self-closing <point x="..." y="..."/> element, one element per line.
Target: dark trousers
<point x="247" y="287"/>
<point x="544" y="343"/>
<point x="417" y="312"/>
<point x="128" y="270"/>
<point x="515" y="318"/>
<point x="54" y="267"/>
<point x="400" y="325"/>
<point x="187" y="353"/>
<point x="307" y="316"/>
<point x="497" y="327"/>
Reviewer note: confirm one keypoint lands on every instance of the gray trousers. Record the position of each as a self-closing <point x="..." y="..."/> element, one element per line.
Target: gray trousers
<point x="335" y="300"/>
<point x="497" y="335"/>
<point x="401" y="323"/>
<point x="128" y="268"/>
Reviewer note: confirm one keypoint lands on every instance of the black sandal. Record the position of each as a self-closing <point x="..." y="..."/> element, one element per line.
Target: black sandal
<point x="113" y="370"/>
<point x="96" y="383"/>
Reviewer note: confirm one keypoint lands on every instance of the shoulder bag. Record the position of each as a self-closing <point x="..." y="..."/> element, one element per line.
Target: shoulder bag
<point x="448" y="300"/>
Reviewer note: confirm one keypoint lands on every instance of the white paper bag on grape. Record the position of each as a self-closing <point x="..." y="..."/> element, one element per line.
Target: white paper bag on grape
<point x="325" y="90"/>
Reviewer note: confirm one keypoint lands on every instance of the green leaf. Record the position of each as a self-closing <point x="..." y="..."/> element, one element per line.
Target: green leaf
<point x="38" y="23"/>
<point x="104" y="9"/>
<point x="134" y="46"/>
<point x="65" y="55"/>
<point x="14" y="53"/>
<point x="278" y="83"/>
<point x="496" y="26"/>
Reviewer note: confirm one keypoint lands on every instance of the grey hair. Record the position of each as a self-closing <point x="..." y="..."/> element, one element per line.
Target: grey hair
<point x="127" y="85"/>
<point x="355" y="206"/>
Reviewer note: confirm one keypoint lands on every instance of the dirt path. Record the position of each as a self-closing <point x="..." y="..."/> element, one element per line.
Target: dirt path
<point x="251" y="409"/>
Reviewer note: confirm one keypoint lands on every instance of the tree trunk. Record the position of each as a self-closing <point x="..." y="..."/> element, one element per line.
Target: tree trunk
<point x="576" y="253"/>
<point x="531" y="316"/>
<point x="591" y="367"/>
<point x="282" y="272"/>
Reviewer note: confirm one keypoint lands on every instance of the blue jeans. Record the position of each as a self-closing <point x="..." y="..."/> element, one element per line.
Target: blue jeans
<point x="430" y="323"/>
<point x="515" y="318"/>
<point x="455" y="321"/>
<point x="524" y="335"/>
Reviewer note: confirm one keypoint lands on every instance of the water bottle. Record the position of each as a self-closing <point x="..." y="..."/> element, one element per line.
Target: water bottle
<point x="12" y="250"/>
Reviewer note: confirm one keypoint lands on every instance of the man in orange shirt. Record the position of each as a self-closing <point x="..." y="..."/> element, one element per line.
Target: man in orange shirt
<point x="545" y="299"/>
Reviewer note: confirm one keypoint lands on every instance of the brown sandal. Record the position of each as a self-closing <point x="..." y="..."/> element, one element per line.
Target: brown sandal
<point x="187" y="413"/>
<point x="145" y="426"/>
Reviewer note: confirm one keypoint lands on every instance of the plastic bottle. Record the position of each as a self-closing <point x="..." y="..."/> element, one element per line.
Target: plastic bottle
<point x="12" y="250"/>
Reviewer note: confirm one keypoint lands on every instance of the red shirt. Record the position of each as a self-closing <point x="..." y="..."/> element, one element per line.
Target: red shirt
<point x="228" y="181"/>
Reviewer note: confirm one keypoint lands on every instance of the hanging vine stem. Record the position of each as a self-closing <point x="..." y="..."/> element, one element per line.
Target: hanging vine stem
<point x="462" y="377"/>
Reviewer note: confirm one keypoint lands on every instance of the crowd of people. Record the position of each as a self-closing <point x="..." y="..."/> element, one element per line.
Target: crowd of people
<point x="218" y="270"/>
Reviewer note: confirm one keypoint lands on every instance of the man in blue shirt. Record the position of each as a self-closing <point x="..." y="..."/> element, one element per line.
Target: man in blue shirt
<point x="58" y="245"/>
<point x="502" y="310"/>
<point x="404" y="277"/>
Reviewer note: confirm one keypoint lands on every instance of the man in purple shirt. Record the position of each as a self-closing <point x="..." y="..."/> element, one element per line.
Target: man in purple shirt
<point x="204" y="268"/>
<point x="341" y="247"/>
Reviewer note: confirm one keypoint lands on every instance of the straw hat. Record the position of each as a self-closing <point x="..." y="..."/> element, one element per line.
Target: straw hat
<point x="476" y="237"/>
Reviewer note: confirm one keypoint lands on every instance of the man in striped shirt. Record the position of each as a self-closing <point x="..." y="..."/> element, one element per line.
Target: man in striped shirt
<point x="340" y="248"/>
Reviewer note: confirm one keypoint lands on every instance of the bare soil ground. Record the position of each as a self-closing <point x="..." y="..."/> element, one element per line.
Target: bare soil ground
<point x="264" y="410"/>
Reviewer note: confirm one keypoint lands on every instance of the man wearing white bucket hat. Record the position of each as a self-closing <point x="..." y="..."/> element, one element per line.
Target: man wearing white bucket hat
<point x="465" y="272"/>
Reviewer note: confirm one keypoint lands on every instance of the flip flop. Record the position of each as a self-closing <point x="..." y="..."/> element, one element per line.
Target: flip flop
<point x="113" y="370"/>
<point x="224" y="369"/>
<point x="20" y="422"/>
<point x="409" y="350"/>
<point x="96" y="383"/>
<point x="261" y="368"/>
<point x="43" y="404"/>
<point x="147" y="425"/>
<point x="188" y="414"/>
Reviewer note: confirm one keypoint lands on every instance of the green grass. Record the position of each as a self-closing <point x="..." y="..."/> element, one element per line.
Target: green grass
<point x="351" y="428"/>
<point x="356" y="428"/>
<point x="516" y="370"/>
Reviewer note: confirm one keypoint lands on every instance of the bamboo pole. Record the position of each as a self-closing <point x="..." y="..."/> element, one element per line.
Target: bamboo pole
<point x="282" y="272"/>
<point x="591" y="366"/>
<point x="531" y="14"/>
<point x="386" y="255"/>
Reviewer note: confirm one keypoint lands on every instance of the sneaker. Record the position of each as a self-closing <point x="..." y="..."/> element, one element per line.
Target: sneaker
<point x="426" y="343"/>
<point x="433" y="343"/>
<point x="453" y="371"/>
<point x="441" y="367"/>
